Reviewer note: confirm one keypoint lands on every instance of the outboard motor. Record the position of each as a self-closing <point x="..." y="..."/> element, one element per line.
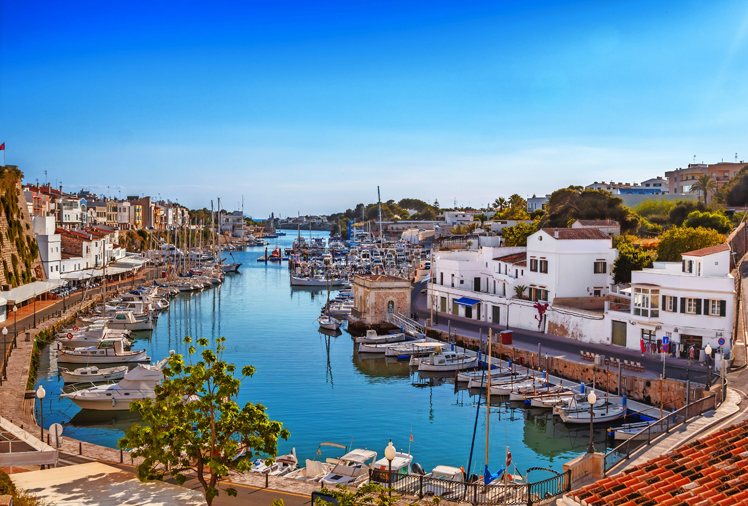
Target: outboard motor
<point x="473" y="478"/>
<point x="417" y="469"/>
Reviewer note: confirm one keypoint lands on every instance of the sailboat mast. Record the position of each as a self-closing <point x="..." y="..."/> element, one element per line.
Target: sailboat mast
<point x="381" y="233"/>
<point x="488" y="394"/>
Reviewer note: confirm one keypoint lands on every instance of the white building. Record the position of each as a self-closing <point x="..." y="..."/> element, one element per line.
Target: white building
<point x="70" y="212"/>
<point x="534" y="203"/>
<point x="233" y="223"/>
<point x="689" y="304"/>
<point x="656" y="182"/>
<point x="125" y="217"/>
<point x="610" y="227"/>
<point x="454" y="218"/>
<point x="50" y="247"/>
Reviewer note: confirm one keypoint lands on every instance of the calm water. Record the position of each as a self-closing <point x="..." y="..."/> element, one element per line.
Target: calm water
<point x="320" y="389"/>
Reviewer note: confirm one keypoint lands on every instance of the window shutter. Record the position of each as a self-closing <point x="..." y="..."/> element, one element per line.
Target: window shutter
<point x="605" y="267"/>
<point x="682" y="304"/>
<point x="698" y="306"/>
<point x="722" y="307"/>
<point x="663" y="302"/>
<point x="683" y="266"/>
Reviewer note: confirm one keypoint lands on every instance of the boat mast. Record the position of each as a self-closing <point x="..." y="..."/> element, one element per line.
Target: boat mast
<point x="381" y="234"/>
<point x="488" y="394"/>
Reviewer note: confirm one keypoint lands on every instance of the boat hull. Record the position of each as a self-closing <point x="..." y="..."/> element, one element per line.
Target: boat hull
<point x="72" y="358"/>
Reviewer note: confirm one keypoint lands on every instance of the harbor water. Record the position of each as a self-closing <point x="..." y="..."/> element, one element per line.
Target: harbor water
<point x="320" y="388"/>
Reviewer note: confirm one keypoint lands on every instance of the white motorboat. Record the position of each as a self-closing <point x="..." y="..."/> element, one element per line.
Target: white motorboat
<point x="414" y="349"/>
<point x="381" y="348"/>
<point x="93" y="337"/>
<point x="603" y="412"/>
<point x="401" y="465"/>
<point x="352" y="468"/>
<point x="449" y="484"/>
<point x="507" y="388"/>
<point x="283" y="465"/>
<point x="445" y="361"/>
<point x="551" y="401"/>
<point x="92" y="374"/>
<point x="371" y="337"/>
<point x="627" y="430"/>
<point x="315" y="470"/>
<point x="138" y="384"/>
<point x="475" y="376"/>
<point x="127" y="320"/>
<point x="532" y="391"/>
<point x="328" y="322"/>
<point x="317" y="281"/>
<point x="107" y="352"/>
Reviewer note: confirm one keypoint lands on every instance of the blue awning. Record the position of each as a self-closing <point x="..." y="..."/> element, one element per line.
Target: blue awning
<point x="464" y="301"/>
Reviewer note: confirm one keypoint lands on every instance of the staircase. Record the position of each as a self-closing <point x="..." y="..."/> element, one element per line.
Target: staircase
<point x="407" y="324"/>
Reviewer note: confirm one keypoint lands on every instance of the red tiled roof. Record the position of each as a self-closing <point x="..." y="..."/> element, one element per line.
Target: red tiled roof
<point x="710" y="470"/>
<point x="576" y="233"/>
<point x="598" y="223"/>
<point x="515" y="258"/>
<point x="711" y="250"/>
<point x="380" y="277"/>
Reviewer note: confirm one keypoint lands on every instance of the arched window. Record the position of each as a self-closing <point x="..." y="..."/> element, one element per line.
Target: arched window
<point x="391" y="307"/>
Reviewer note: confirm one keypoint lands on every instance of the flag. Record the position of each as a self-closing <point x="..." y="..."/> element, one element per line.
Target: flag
<point x="2" y="147"/>
<point x="642" y="345"/>
<point x="411" y="438"/>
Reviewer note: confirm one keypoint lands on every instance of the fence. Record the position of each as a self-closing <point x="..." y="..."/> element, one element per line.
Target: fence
<point x="644" y="437"/>
<point x="498" y="493"/>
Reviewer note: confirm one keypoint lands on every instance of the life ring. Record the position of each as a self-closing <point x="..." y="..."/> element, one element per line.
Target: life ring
<point x="70" y="336"/>
<point x="76" y="329"/>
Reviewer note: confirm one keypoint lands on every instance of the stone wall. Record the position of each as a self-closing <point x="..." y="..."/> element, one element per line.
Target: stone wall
<point x="19" y="252"/>
<point x="590" y="303"/>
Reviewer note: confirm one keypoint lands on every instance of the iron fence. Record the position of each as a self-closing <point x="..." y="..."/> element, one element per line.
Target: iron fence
<point x="498" y="493"/>
<point x="665" y="424"/>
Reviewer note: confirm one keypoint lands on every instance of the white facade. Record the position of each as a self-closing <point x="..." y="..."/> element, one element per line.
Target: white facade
<point x="534" y="203"/>
<point x="233" y="223"/>
<point x="454" y="218"/>
<point x="565" y="262"/>
<point x="499" y="225"/>
<point x="689" y="303"/>
<point x="70" y="212"/>
<point x="125" y="216"/>
<point x="50" y="248"/>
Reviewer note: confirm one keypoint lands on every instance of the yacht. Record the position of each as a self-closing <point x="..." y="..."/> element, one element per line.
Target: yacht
<point x="351" y="468"/>
<point x="138" y="384"/>
<point x="315" y="470"/>
<point x="124" y="320"/>
<point x="92" y="336"/>
<point x="283" y="465"/>
<point x="107" y="352"/>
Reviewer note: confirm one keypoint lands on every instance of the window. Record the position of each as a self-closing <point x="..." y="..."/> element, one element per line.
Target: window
<point x="597" y="292"/>
<point x="441" y="278"/>
<point x="600" y="267"/>
<point x="670" y="303"/>
<point x="533" y="265"/>
<point x="646" y="302"/>
<point x="453" y="280"/>
<point x="687" y="266"/>
<point x="715" y="307"/>
<point x="691" y="306"/>
<point x="544" y="266"/>
<point x="391" y="307"/>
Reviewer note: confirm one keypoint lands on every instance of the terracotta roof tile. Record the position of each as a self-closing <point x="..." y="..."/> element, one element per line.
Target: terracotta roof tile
<point x="598" y="223"/>
<point x="711" y="250"/>
<point x="576" y="233"/>
<point x="515" y="258"/>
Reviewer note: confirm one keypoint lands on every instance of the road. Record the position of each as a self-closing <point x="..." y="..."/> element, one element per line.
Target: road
<point x="556" y="345"/>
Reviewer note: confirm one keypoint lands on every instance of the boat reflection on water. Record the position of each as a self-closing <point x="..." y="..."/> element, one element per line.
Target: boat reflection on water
<point x="330" y="333"/>
<point x="111" y="420"/>
<point x="376" y="365"/>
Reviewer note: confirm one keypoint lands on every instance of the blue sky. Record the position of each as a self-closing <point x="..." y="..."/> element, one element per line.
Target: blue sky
<point x="308" y="106"/>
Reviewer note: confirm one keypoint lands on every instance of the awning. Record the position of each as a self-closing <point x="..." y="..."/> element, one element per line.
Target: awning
<point x="26" y="292"/>
<point x="465" y="301"/>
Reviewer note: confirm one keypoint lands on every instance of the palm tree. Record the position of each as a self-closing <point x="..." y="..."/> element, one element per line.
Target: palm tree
<point x="500" y="203"/>
<point x="517" y="202"/>
<point x="704" y="184"/>
<point x="519" y="290"/>
<point x="459" y="230"/>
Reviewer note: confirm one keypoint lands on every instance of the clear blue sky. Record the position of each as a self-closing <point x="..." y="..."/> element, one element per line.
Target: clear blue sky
<point x="308" y="106"/>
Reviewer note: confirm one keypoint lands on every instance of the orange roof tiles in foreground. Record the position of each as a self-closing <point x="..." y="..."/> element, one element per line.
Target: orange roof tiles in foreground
<point x="712" y="470"/>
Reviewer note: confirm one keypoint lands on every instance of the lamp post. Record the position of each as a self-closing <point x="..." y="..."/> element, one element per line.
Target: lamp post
<point x="5" y="336"/>
<point x="591" y="398"/>
<point x="15" y="320"/>
<point x="708" y="351"/>
<point x="40" y="393"/>
<point x="34" y="311"/>
<point x="389" y="454"/>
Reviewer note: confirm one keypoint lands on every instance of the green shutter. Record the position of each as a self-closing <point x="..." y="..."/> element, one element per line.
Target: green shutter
<point x="682" y="304"/>
<point x="722" y="307"/>
<point x="698" y="306"/>
<point x="707" y="308"/>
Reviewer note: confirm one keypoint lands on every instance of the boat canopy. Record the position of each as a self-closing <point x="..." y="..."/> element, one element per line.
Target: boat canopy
<point x="334" y="445"/>
<point x="447" y="470"/>
<point x="466" y="301"/>
<point x="359" y="455"/>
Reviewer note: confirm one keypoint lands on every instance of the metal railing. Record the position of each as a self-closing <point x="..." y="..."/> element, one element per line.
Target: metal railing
<point x="497" y="493"/>
<point x="402" y="321"/>
<point x="644" y="437"/>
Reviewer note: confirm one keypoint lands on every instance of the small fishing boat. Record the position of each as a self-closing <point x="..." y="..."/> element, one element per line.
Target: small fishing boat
<point x="627" y="430"/>
<point x="414" y="349"/>
<point x="371" y="337"/>
<point x="445" y="361"/>
<point x="526" y="393"/>
<point x="92" y="374"/>
<point x="351" y="468"/>
<point x="329" y="322"/>
<point x="507" y="387"/>
<point x="496" y="375"/>
<point x="107" y="352"/>
<point x="127" y="320"/>
<point x="551" y="401"/>
<point x="604" y="411"/>
<point x="283" y="465"/>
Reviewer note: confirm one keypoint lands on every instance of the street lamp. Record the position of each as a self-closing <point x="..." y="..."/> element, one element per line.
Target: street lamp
<point x="389" y="454"/>
<point x="591" y="398"/>
<point x="5" y="336"/>
<point x="15" y="320"/>
<point x="40" y="393"/>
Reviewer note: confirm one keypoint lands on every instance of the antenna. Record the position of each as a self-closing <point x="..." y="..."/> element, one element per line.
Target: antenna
<point x="694" y="159"/>
<point x="736" y="158"/>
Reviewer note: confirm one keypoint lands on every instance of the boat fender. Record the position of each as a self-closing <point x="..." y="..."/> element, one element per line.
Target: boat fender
<point x="69" y="336"/>
<point x="417" y="469"/>
<point x="114" y="402"/>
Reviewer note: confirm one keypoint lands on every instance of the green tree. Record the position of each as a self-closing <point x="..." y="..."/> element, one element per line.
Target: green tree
<point x="647" y="229"/>
<point x="459" y="230"/>
<point x="654" y="207"/>
<point x="482" y="218"/>
<point x="517" y="202"/>
<point x="630" y="258"/>
<point x="574" y="204"/>
<point x="680" y="240"/>
<point x="519" y="291"/>
<point x="735" y="191"/>
<point x="704" y="184"/>
<point x="500" y="204"/>
<point x="716" y="221"/>
<point x="195" y="424"/>
<point x="371" y="493"/>
<point x="681" y="210"/>
<point x="518" y="234"/>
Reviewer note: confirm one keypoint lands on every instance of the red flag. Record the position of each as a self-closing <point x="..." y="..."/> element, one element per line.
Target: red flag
<point x="2" y="147"/>
<point x="641" y="344"/>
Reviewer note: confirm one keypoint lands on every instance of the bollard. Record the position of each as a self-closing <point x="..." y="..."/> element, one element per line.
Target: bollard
<point x="266" y="479"/>
<point x="47" y="438"/>
<point x="121" y="455"/>
<point x="80" y="448"/>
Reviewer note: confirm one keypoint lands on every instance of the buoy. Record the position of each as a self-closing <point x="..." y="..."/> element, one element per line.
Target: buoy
<point x="114" y="402"/>
<point x="70" y="336"/>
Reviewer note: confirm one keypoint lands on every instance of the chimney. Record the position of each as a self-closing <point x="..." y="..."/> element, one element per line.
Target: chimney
<point x="555" y="233"/>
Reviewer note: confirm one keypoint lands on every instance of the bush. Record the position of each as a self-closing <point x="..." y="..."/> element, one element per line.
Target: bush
<point x="6" y="485"/>
<point x="654" y="207"/>
<point x="716" y="221"/>
<point x="680" y="240"/>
